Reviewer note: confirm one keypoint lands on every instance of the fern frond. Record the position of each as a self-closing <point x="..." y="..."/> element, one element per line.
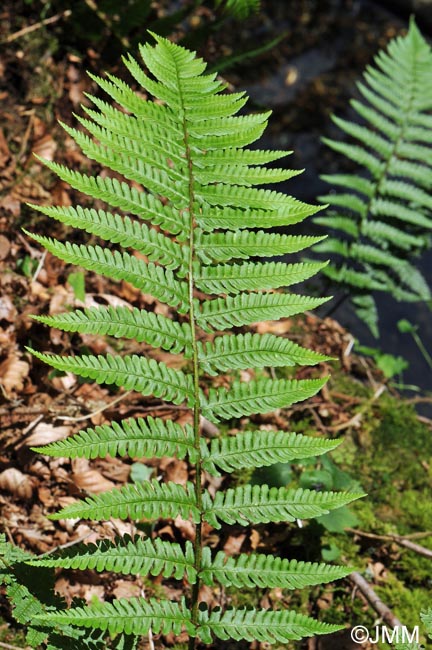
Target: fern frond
<point x="268" y="626"/>
<point x="262" y="448"/>
<point x="188" y="207"/>
<point x="132" y="616"/>
<point x="243" y="175"/>
<point x="388" y="203"/>
<point x="250" y="276"/>
<point x="150" y="278"/>
<point x="224" y="246"/>
<point x="136" y="438"/>
<point x="134" y="372"/>
<point x="237" y="219"/>
<point x="245" y="309"/>
<point x="121" y="322"/>
<point x="260" y="504"/>
<point x="121" y="230"/>
<point x="149" y="500"/>
<point x="257" y="396"/>
<point x="127" y="556"/>
<point x="240" y="8"/>
<point x="259" y="570"/>
<point x="127" y="198"/>
<point x="254" y="351"/>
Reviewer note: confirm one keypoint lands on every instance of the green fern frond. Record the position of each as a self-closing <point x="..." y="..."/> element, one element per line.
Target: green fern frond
<point x="134" y="372"/>
<point x="150" y="278"/>
<point x="127" y="198"/>
<point x="254" y="351"/>
<point x="179" y="191"/>
<point x="121" y="230"/>
<point x="258" y="570"/>
<point x="235" y="219"/>
<point x="121" y="322"/>
<point x="224" y="246"/>
<point x="136" y="438"/>
<point x="388" y="204"/>
<point x="260" y="504"/>
<point x="268" y="626"/>
<point x="132" y="616"/>
<point x="248" y="308"/>
<point x="143" y="557"/>
<point x="150" y="500"/>
<point x="262" y="448"/>
<point x="257" y="396"/>
<point x="240" y="8"/>
<point x="250" y="276"/>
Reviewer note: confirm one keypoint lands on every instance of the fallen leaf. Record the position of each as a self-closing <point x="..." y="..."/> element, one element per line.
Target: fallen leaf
<point x="4" y="247"/>
<point x="233" y="544"/>
<point x="88" y="479"/>
<point x="17" y="483"/>
<point x="7" y="309"/>
<point x="45" y="433"/>
<point x="13" y="371"/>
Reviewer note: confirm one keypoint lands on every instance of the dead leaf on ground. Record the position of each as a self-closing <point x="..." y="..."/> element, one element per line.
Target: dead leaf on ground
<point x="45" y="433"/>
<point x="13" y="371"/>
<point x="7" y="309"/>
<point x="88" y="479"/>
<point x="17" y="483"/>
<point x="234" y="543"/>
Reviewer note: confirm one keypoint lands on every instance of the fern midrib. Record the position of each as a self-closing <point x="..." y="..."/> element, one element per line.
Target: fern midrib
<point x="195" y="365"/>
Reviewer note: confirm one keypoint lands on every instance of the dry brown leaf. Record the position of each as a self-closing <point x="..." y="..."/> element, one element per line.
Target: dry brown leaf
<point x="177" y="471"/>
<point x="17" y="483"/>
<point x="186" y="528"/>
<point x="88" y="479"/>
<point x="45" y="147"/>
<point x="13" y="371"/>
<point x="4" y="247"/>
<point x="126" y="589"/>
<point x="7" y="309"/>
<point x="233" y="544"/>
<point x="45" y="433"/>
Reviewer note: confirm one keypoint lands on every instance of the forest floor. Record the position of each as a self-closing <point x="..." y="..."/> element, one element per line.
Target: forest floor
<point x="386" y="449"/>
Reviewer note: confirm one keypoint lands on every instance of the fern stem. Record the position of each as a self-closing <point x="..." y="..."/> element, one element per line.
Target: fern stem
<point x="195" y="361"/>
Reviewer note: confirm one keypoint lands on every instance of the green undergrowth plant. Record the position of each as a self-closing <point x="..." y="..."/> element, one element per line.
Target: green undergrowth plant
<point x="381" y="215"/>
<point x="196" y="228"/>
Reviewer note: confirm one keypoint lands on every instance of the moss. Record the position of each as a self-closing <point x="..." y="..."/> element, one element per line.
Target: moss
<point x="405" y="603"/>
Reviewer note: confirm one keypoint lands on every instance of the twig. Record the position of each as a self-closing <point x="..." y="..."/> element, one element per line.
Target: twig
<point x="356" y="419"/>
<point x="398" y="539"/>
<point x="68" y="418"/>
<point x="60" y="547"/>
<point x="8" y="646"/>
<point x="35" y="26"/>
<point x="39" y="266"/>
<point x="383" y="610"/>
<point x="390" y="536"/>
<point x="105" y="18"/>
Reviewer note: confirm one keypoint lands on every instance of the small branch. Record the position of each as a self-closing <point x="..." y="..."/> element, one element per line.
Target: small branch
<point x="404" y="541"/>
<point x="356" y="419"/>
<point x="67" y="544"/>
<point x="8" y="646"/>
<point x="67" y="418"/>
<point x="390" y="536"/>
<point x="374" y="600"/>
<point x="33" y="28"/>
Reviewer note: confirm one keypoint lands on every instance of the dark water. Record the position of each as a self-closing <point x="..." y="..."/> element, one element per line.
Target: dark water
<point x="313" y="76"/>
